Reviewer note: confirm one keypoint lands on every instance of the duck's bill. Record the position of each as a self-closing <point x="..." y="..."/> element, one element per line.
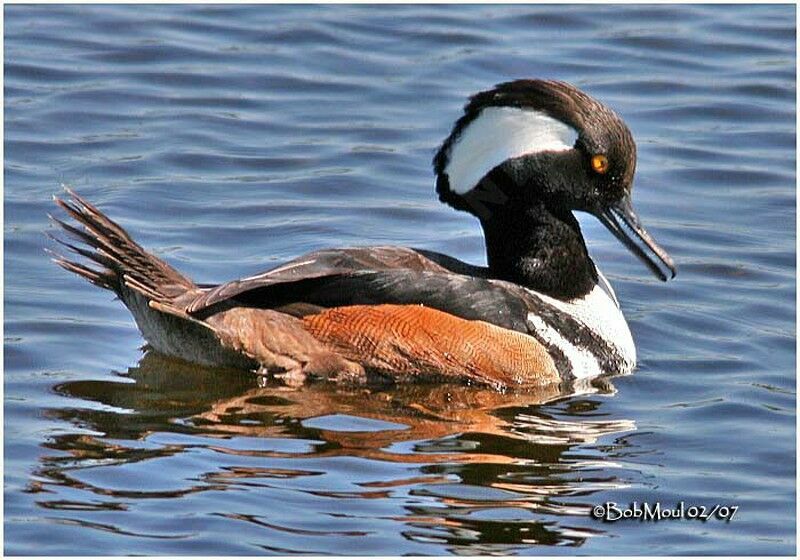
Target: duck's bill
<point x="623" y="222"/>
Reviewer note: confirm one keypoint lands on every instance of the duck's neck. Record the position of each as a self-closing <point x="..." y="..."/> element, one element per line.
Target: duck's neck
<point x="540" y="248"/>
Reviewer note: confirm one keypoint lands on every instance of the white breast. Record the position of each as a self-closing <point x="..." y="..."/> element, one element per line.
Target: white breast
<point x="599" y="312"/>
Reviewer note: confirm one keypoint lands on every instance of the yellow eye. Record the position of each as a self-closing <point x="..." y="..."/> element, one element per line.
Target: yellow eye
<point x="600" y="163"/>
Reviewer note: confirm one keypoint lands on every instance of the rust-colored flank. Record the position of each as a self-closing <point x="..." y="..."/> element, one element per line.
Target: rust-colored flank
<point x="414" y="340"/>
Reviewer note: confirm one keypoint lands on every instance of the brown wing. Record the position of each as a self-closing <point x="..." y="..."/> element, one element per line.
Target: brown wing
<point x="469" y="297"/>
<point x="329" y="262"/>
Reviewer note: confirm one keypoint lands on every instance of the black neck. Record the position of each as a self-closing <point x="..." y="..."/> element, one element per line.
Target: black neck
<point x="539" y="247"/>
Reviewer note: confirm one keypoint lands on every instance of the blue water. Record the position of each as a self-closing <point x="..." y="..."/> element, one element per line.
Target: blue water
<point x="228" y="139"/>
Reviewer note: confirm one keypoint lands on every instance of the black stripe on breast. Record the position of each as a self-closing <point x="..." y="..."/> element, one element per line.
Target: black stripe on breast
<point x="563" y="365"/>
<point x="576" y="333"/>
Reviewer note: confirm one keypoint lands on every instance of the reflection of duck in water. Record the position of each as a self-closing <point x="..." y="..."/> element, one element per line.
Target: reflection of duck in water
<point x="464" y="449"/>
<point x="522" y="158"/>
<point x="228" y="403"/>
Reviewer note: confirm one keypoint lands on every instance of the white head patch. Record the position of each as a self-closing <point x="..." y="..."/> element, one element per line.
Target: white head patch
<point x="501" y="133"/>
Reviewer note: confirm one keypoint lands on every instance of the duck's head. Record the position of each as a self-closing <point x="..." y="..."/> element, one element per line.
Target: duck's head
<point x="547" y="143"/>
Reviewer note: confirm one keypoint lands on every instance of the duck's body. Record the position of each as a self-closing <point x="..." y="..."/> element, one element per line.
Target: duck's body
<point x="539" y="313"/>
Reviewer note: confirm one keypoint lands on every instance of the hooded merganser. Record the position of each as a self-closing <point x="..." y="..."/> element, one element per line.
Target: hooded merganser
<point x="521" y="159"/>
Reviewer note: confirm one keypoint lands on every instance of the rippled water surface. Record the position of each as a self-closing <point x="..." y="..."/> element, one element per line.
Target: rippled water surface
<point x="230" y="138"/>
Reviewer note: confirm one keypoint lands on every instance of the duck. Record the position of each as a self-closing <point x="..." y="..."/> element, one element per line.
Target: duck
<point x="522" y="158"/>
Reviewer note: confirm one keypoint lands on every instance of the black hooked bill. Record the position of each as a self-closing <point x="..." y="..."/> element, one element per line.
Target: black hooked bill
<point x="622" y="213"/>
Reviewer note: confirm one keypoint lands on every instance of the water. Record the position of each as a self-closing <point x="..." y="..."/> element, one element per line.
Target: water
<point x="230" y="138"/>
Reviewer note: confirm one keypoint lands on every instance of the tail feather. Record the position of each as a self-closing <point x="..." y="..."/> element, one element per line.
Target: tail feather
<point x="96" y="277"/>
<point x="99" y="258"/>
<point x="122" y="262"/>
